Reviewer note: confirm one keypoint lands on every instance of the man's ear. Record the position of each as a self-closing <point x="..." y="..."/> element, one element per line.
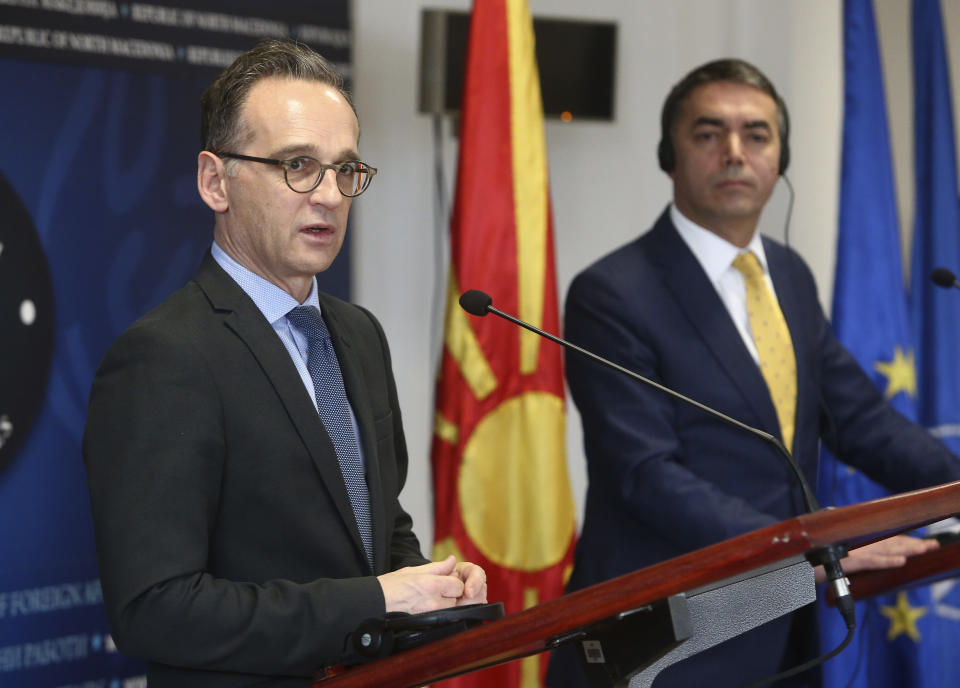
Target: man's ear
<point x="212" y="181"/>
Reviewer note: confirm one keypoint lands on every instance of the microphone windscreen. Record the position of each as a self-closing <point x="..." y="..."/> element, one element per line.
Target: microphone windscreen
<point x="475" y="302"/>
<point x="943" y="277"/>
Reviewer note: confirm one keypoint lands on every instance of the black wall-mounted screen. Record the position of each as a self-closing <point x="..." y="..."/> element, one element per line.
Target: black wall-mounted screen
<point x="576" y="59"/>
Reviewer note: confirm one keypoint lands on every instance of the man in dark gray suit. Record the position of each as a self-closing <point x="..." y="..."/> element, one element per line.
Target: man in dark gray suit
<point x="244" y="446"/>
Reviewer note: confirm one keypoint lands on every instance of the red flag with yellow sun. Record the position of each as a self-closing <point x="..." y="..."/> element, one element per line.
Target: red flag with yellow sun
<point x="502" y="495"/>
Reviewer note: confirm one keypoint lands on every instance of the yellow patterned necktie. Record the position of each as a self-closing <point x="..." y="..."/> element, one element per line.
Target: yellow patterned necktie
<point x="774" y="346"/>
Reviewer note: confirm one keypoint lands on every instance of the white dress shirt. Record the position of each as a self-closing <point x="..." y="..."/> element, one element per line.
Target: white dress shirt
<point x="716" y="255"/>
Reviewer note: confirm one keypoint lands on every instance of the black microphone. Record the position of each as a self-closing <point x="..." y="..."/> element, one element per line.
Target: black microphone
<point x="480" y="303"/>
<point x="476" y="302"/>
<point x="944" y="278"/>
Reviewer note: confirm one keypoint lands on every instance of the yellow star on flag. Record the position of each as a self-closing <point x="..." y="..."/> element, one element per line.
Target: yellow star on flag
<point x="901" y="373"/>
<point x="903" y="618"/>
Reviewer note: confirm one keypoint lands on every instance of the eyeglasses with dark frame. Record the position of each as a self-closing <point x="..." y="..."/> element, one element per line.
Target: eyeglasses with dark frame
<point x="303" y="174"/>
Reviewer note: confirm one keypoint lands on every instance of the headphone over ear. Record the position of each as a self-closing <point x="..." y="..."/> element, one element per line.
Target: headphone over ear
<point x="668" y="159"/>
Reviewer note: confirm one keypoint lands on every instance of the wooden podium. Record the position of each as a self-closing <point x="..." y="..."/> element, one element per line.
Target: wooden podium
<point x="672" y="609"/>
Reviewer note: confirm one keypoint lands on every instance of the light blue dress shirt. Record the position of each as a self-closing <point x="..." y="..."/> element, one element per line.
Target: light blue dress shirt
<point x="275" y="303"/>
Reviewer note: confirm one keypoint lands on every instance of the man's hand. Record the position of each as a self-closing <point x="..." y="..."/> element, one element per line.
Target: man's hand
<point x="883" y="554"/>
<point x="474" y="583"/>
<point x="441" y="584"/>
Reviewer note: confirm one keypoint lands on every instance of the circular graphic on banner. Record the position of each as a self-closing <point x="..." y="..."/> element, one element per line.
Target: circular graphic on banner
<point x="26" y="323"/>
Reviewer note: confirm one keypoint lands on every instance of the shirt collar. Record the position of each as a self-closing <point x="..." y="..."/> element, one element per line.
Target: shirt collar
<point x="272" y="301"/>
<point x="714" y="253"/>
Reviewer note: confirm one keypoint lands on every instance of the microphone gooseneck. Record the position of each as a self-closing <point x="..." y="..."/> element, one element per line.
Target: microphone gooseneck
<point x="480" y="303"/>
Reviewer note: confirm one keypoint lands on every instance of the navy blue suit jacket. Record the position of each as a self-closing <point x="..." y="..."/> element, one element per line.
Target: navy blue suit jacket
<point x="664" y="477"/>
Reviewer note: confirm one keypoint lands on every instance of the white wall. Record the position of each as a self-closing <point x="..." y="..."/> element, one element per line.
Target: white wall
<point x="796" y="42"/>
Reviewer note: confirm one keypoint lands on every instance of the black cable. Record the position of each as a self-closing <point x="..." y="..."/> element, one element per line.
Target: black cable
<point x="806" y="666"/>
<point x="863" y="639"/>
<point x="786" y="223"/>
<point x="829" y="557"/>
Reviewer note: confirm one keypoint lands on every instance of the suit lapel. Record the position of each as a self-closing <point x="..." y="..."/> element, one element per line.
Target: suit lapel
<point x="243" y="317"/>
<point x="696" y="296"/>
<point x="345" y="343"/>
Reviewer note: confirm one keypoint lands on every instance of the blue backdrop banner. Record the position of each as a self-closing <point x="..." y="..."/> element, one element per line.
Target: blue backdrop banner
<point x="101" y="221"/>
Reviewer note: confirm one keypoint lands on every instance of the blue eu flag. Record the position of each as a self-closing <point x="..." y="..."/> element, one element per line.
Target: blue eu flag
<point x="936" y="231"/>
<point x="936" y="313"/>
<point x="870" y="318"/>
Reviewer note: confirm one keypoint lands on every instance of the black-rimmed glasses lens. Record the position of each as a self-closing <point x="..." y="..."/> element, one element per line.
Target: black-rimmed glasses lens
<point x="303" y="174"/>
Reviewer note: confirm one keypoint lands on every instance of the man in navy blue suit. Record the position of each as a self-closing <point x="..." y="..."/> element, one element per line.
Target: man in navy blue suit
<point x="679" y="305"/>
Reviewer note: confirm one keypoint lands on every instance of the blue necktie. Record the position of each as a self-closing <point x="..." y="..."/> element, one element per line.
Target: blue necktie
<point x="335" y="413"/>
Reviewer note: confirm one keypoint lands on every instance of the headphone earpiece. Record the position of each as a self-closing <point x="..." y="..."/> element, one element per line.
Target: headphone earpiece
<point x="784" y="156"/>
<point x="665" y="153"/>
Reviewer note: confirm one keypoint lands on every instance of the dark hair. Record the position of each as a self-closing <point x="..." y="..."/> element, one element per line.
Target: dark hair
<point x="733" y="70"/>
<point x="220" y="126"/>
